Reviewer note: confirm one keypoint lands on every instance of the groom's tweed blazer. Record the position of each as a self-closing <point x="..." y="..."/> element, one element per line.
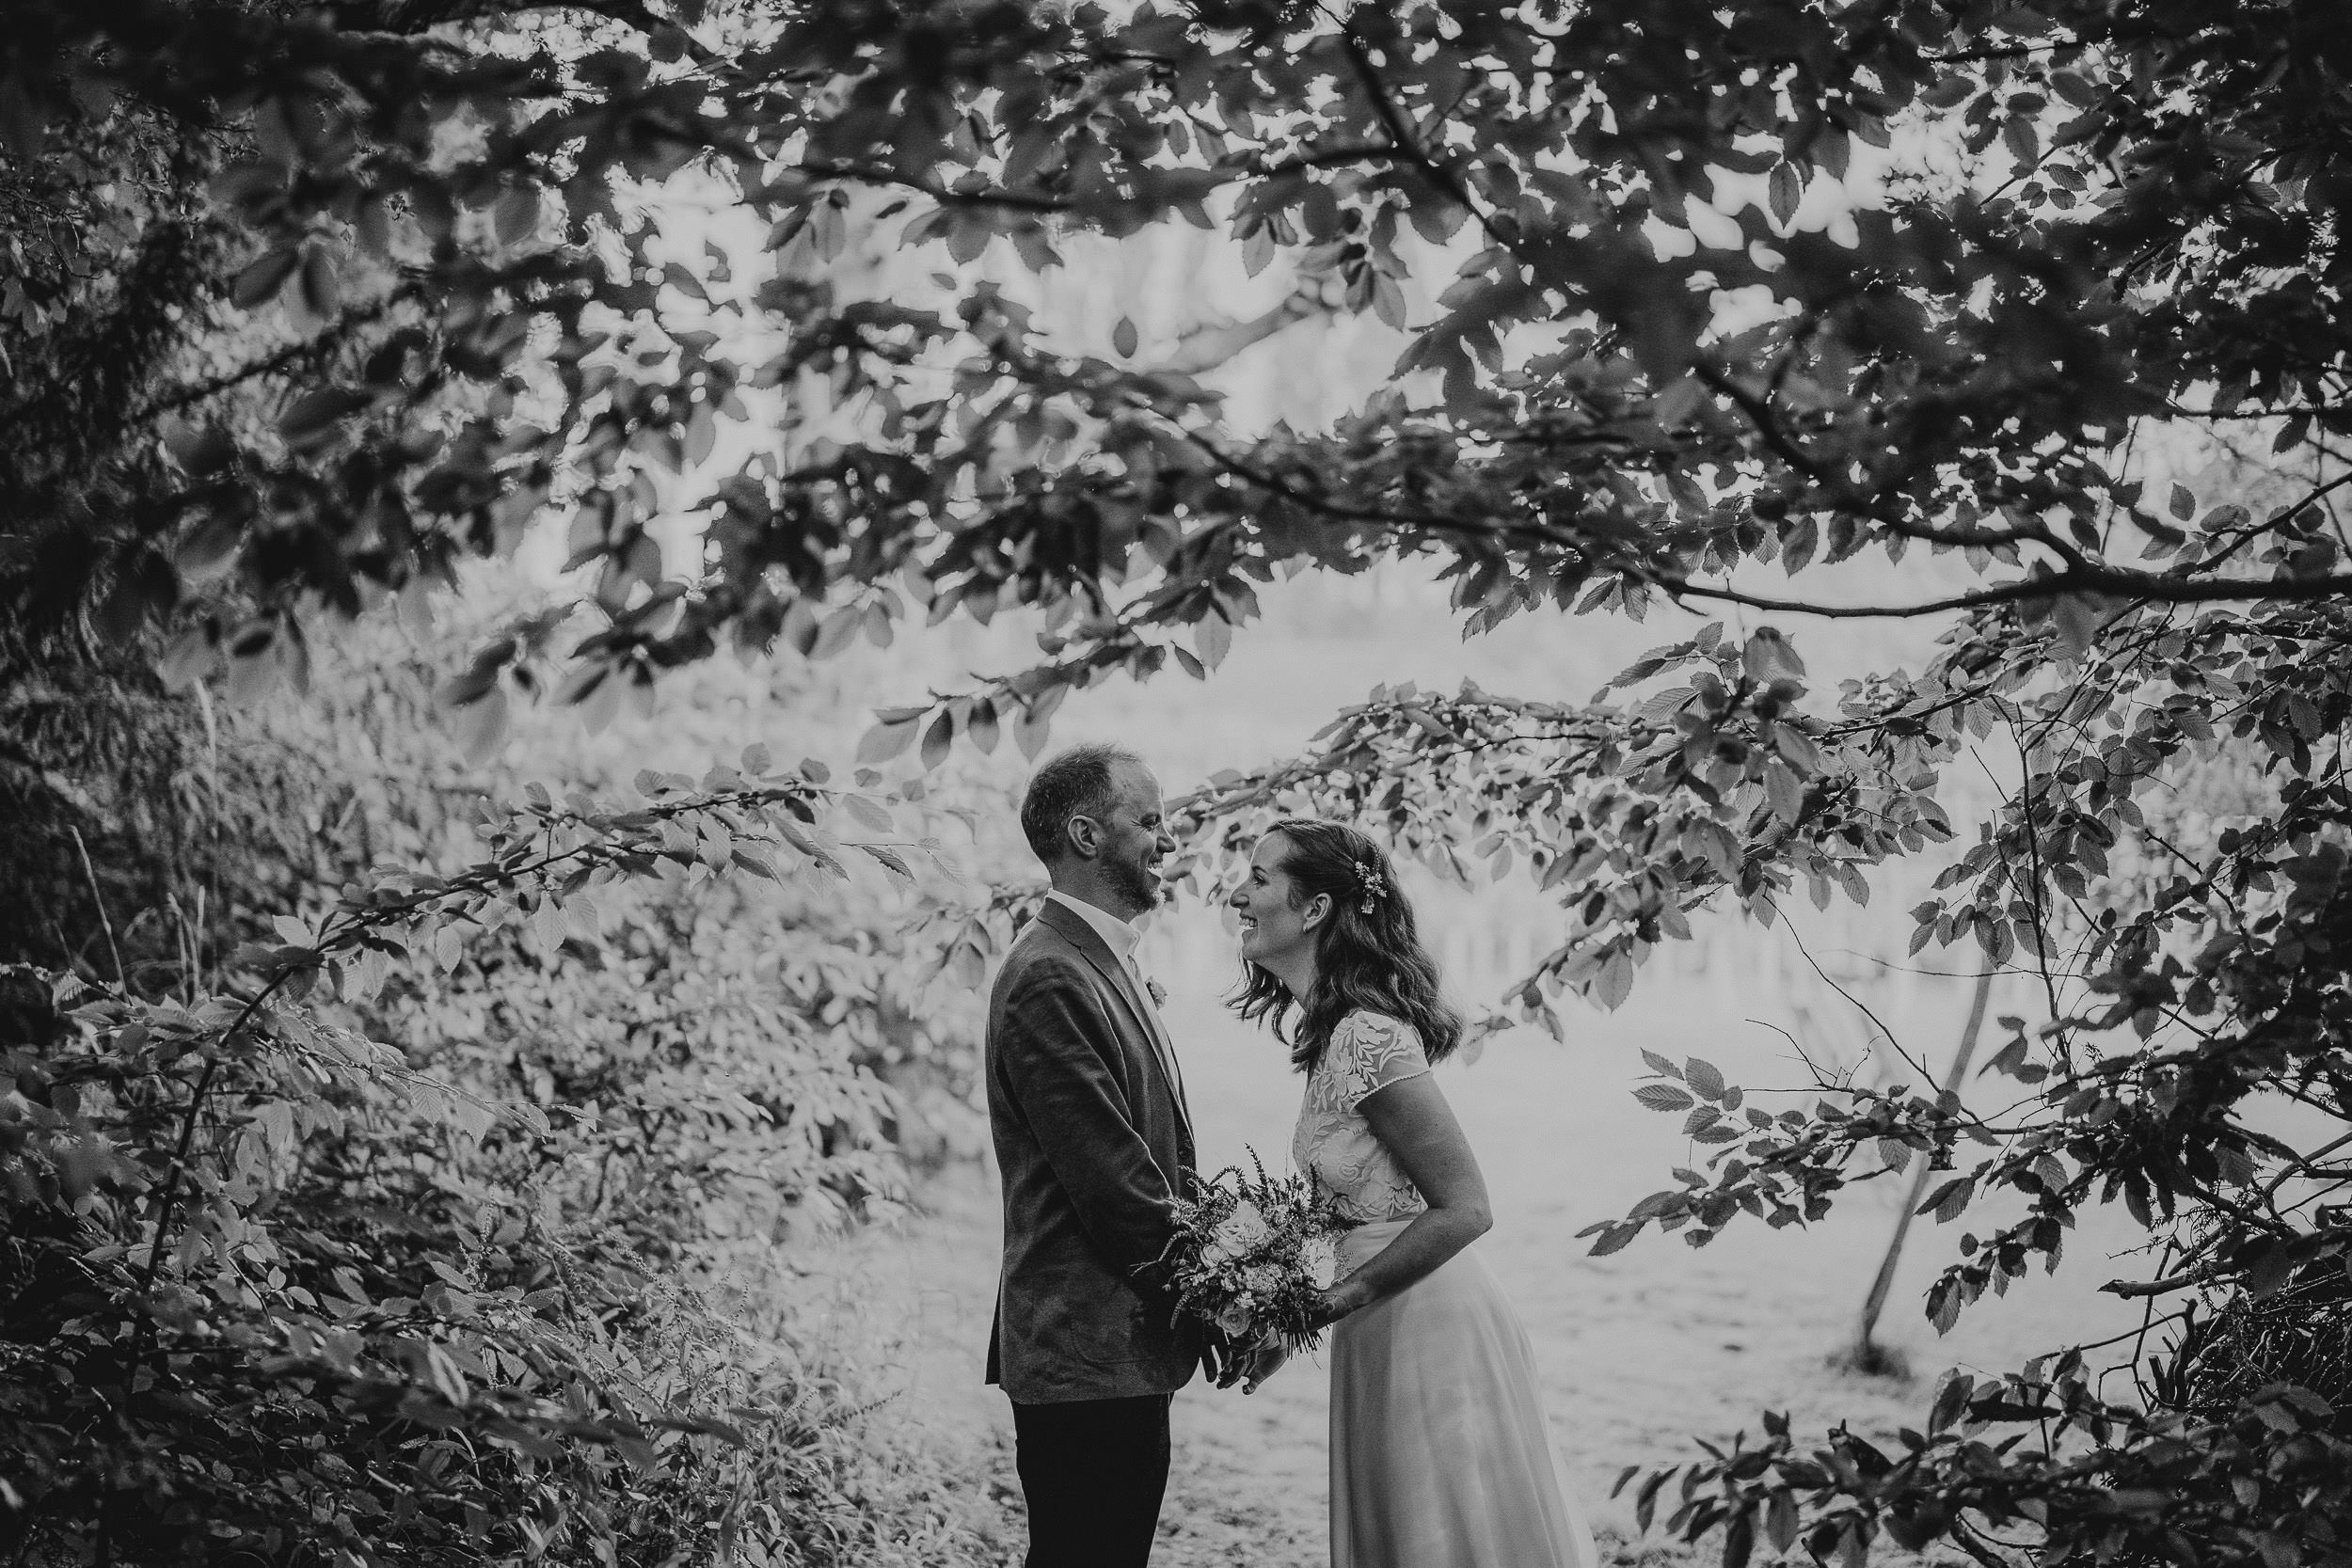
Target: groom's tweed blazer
<point x="1093" y="1144"/>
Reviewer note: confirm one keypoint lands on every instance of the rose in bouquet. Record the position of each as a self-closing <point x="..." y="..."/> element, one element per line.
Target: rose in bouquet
<point x="1252" y="1253"/>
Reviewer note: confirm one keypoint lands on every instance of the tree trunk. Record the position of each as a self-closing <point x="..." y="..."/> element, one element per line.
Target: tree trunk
<point x="1865" y="1354"/>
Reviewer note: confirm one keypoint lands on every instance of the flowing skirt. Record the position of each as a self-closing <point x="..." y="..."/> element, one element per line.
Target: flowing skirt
<point x="1439" y="1454"/>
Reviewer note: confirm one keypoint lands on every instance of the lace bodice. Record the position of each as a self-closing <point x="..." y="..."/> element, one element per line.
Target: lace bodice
<point x="1334" y="1142"/>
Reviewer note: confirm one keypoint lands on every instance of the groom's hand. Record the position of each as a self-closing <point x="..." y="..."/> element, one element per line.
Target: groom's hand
<point x="1220" y="1360"/>
<point x="1263" y="1361"/>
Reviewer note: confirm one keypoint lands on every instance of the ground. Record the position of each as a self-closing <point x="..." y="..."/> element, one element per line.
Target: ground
<point x="1637" y="1351"/>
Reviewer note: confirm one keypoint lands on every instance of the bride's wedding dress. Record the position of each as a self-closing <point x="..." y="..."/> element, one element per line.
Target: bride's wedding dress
<point x="1439" y="1454"/>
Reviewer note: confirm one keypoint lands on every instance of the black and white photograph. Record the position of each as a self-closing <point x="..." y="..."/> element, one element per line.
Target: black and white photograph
<point x="1175" y="784"/>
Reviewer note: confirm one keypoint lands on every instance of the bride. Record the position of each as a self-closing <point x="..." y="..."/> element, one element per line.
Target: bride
<point x="1439" y="1454"/>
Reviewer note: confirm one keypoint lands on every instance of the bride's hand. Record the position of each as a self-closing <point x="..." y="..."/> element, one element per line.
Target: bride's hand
<point x="1333" y="1305"/>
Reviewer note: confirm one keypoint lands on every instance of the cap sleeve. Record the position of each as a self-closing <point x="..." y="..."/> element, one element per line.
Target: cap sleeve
<point x="1371" y="1051"/>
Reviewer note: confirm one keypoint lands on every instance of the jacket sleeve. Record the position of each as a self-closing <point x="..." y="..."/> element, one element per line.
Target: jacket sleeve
<point x="1054" y="1061"/>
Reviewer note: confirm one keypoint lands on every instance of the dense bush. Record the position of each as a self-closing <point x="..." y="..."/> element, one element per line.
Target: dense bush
<point x="276" y="1287"/>
<point x="444" y="1223"/>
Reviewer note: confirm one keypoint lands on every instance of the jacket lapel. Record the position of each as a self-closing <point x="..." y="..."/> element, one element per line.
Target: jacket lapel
<point x="1089" y="941"/>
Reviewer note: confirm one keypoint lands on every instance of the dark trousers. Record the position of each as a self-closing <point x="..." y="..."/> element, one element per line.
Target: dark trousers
<point x="1093" y="1472"/>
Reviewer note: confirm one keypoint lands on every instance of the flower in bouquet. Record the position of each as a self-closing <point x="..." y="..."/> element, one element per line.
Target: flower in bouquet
<point x="1320" y="1257"/>
<point x="1239" y="1234"/>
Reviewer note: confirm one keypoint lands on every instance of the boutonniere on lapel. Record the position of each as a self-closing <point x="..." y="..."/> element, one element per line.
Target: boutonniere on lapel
<point x="1159" y="992"/>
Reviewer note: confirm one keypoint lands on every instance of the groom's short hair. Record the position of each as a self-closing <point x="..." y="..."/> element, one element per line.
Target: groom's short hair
<point x="1081" y="781"/>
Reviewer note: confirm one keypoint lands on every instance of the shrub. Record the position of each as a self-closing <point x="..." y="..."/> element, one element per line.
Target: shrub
<point x="278" y="1288"/>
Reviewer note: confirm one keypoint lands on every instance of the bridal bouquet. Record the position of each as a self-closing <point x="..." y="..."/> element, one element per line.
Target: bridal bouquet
<point x="1250" y="1254"/>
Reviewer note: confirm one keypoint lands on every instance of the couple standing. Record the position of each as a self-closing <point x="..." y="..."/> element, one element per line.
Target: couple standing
<point x="1439" y="1454"/>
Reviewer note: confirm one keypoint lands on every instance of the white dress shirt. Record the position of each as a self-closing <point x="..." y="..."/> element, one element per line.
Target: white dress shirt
<point x="1122" y="937"/>
<point x="1117" y="934"/>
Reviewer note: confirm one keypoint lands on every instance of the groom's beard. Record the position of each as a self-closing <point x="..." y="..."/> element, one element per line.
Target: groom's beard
<point x="1135" y="883"/>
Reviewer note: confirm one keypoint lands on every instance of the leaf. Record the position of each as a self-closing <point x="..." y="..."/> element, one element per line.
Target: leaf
<point x="1616" y="982"/>
<point x="2023" y="141"/>
<point x="316" y="413"/>
<point x="1946" y="1202"/>
<point x="1783" y="789"/>
<point x="322" y="292"/>
<point x="515" y="217"/>
<point x="1661" y="1064"/>
<point x="937" y="738"/>
<point x="1788" y="189"/>
<point x="869" y="813"/>
<point x="1769" y="656"/>
<point x="2271" y="1271"/>
<point x="1123" y="339"/>
<point x="1673" y="408"/>
<point x="838" y="631"/>
<point x="886" y="740"/>
<point x="1256" y="249"/>
<point x="2076" y="617"/>
<point x="1951" y="1401"/>
<point x="980" y="728"/>
<point x="1214" y="637"/>
<point x="263" y="277"/>
<point x="1436" y="217"/>
<point x="1739" y="1538"/>
<point x="1613" y="1240"/>
<point x="1703" y="1077"/>
<point x="479" y="727"/>
<point x="1797" y="747"/>
<point x="1797" y="546"/>
<point x="1031" y="730"/>
<point x="188" y="657"/>
<point x="1660" y="706"/>
<point x="1663" y="1097"/>
<point x="890" y="858"/>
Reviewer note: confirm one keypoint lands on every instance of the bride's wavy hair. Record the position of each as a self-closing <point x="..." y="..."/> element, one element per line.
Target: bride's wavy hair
<point x="1368" y="953"/>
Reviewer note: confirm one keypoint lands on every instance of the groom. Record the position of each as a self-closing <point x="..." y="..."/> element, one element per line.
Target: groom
<point x="1093" y="1142"/>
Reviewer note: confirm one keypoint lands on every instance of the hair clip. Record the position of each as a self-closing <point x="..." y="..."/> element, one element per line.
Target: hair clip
<point x="1376" y="887"/>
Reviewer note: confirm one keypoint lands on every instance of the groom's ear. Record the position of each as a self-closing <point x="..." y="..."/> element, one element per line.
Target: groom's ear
<point x="1082" y="836"/>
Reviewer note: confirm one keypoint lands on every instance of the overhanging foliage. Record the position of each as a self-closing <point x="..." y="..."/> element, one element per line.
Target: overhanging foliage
<point x="332" y="301"/>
